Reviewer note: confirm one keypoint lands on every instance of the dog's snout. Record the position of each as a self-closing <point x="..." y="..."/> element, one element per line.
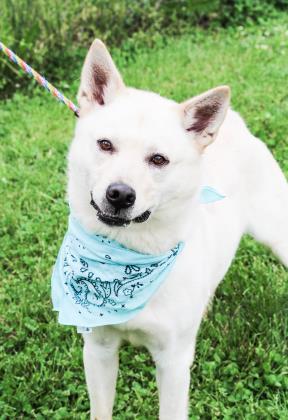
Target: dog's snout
<point x="120" y="196"/>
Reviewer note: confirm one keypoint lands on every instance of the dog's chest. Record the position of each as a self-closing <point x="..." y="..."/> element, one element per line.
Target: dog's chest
<point x="181" y="300"/>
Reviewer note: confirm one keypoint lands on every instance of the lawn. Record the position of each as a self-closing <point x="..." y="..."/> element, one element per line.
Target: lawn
<point x="241" y="368"/>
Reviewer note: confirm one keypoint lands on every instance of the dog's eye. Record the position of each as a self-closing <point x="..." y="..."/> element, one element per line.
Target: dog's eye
<point x="158" y="160"/>
<point x="105" y="145"/>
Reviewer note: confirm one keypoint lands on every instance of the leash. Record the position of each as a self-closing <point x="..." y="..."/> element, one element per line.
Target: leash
<point x="39" y="79"/>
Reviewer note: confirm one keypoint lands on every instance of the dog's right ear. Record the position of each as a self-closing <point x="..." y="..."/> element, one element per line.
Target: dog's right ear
<point x="100" y="79"/>
<point x="204" y="114"/>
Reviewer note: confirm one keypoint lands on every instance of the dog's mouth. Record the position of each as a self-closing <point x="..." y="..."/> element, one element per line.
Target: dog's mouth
<point x="111" y="220"/>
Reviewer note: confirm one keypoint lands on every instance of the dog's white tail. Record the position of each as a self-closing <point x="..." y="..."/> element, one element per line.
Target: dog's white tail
<point x="267" y="195"/>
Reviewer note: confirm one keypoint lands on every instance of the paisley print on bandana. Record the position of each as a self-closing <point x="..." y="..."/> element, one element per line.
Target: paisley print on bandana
<point x="97" y="281"/>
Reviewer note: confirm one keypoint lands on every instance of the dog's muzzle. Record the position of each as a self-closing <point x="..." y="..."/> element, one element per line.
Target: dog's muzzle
<point x="110" y="220"/>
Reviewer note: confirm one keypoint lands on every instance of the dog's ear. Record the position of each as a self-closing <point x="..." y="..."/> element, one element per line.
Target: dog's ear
<point x="100" y="79"/>
<point x="204" y="114"/>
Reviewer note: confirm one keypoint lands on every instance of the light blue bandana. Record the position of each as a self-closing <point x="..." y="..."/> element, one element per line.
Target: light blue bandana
<point x="97" y="281"/>
<point x="209" y="195"/>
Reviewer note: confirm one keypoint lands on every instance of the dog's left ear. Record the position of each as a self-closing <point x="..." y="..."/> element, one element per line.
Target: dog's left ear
<point x="204" y="114"/>
<point x="100" y="79"/>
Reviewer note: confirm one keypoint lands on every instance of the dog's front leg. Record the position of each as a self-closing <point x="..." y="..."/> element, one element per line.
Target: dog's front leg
<point x="173" y="379"/>
<point x="100" y="355"/>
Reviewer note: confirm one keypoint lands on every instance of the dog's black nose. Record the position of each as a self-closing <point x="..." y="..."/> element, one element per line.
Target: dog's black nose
<point x="121" y="196"/>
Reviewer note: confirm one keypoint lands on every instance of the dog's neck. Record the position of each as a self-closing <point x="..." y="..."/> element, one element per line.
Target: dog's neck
<point x="152" y="237"/>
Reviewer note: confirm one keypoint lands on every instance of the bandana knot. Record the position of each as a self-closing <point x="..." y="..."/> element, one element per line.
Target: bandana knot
<point x="97" y="281"/>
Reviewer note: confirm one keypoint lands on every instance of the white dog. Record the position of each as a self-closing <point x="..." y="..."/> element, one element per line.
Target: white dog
<point x="137" y="165"/>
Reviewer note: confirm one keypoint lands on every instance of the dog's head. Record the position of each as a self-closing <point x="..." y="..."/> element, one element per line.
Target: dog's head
<point x="136" y="157"/>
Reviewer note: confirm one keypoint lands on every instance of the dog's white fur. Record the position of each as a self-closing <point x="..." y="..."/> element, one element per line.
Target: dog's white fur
<point x="237" y="164"/>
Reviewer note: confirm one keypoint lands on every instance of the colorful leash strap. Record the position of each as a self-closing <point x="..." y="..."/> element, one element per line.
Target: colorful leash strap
<point x="40" y="79"/>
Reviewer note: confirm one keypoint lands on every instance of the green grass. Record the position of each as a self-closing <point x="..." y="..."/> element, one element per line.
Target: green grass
<point x="241" y="368"/>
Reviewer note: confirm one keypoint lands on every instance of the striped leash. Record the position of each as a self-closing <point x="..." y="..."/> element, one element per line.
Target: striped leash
<point x="40" y="79"/>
